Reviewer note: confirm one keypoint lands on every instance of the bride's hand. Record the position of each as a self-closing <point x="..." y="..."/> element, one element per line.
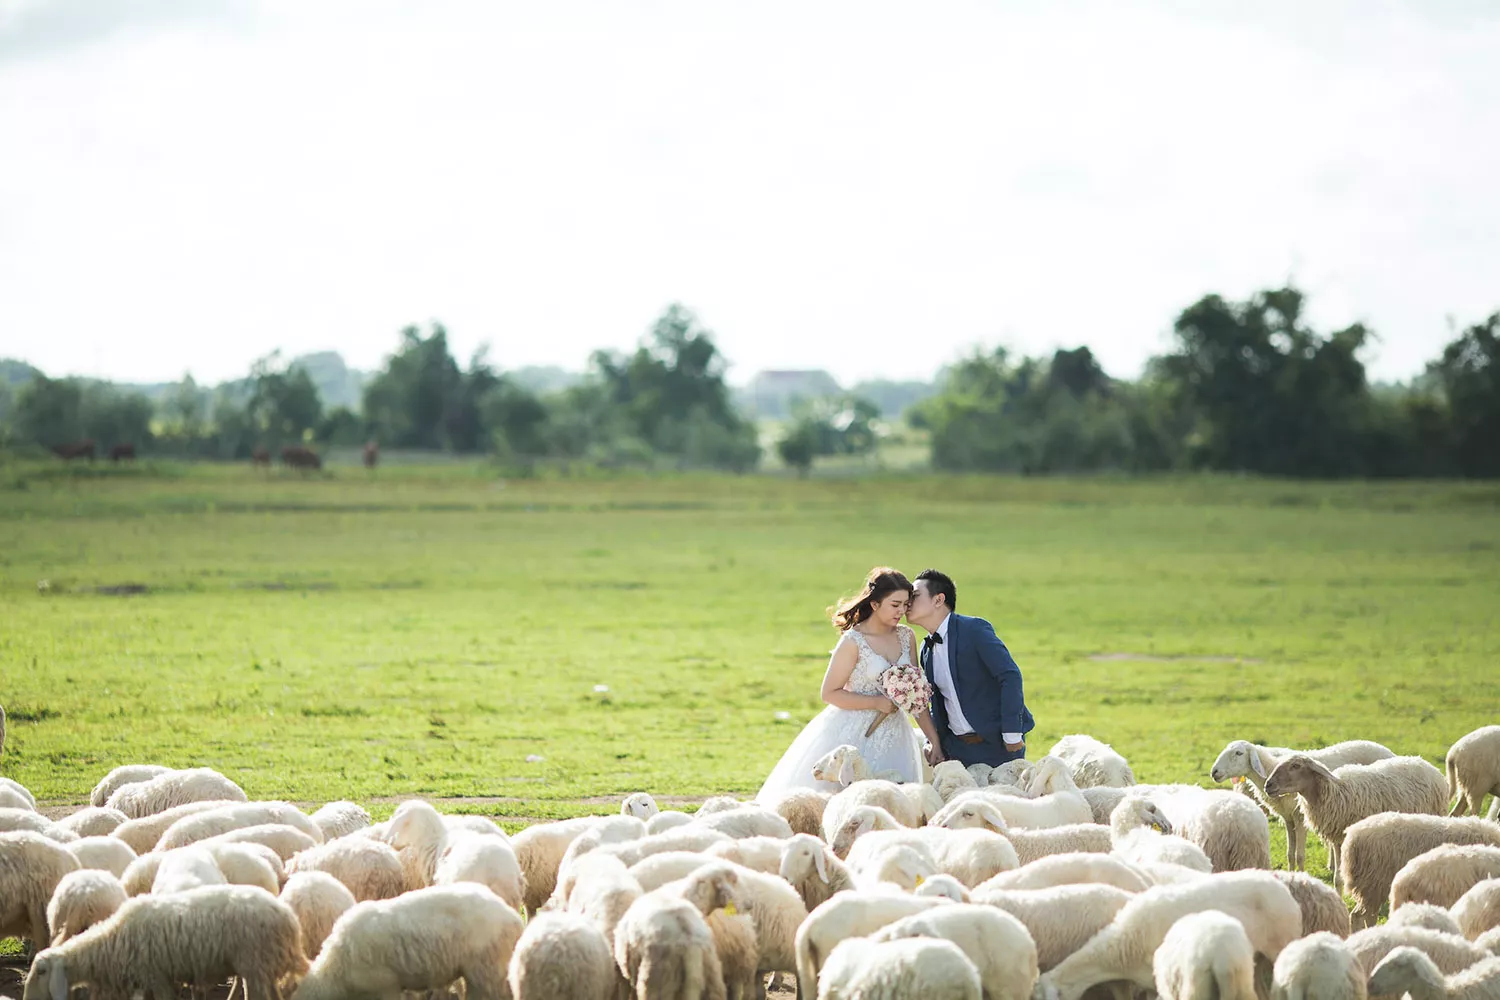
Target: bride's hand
<point x="884" y="705"/>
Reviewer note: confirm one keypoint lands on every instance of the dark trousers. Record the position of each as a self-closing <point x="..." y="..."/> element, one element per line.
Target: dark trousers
<point x="993" y="754"/>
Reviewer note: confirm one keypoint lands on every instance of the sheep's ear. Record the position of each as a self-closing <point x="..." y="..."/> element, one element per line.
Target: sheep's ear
<point x="1256" y="764"/>
<point x="57" y="982"/>
<point x="846" y="771"/>
<point x="820" y="862"/>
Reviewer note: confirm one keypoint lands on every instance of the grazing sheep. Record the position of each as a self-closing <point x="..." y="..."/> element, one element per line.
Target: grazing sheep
<point x="247" y="864"/>
<point x="1093" y="764"/>
<point x="425" y="939"/>
<point x="915" y="967"/>
<point x="1319" y="966"/>
<point x="418" y="833"/>
<point x="1332" y="801"/>
<point x="1124" y="949"/>
<point x="1376" y="848"/>
<point x="125" y="774"/>
<point x="1407" y="971"/>
<point x="663" y="948"/>
<point x="1478" y="910"/>
<point x="82" y="899"/>
<point x="1205" y="956"/>
<point x="1323" y="909"/>
<point x="31" y="866"/>
<point x="1443" y="874"/>
<point x="280" y="839"/>
<point x="1071" y="869"/>
<point x="339" y="819"/>
<point x="605" y="891"/>
<point x="143" y="834"/>
<point x="562" y="955"/>
<point x="1231" y="829"/>
<point x="1133" y="831"/>
<point x="713" y="891"/>
<point x="318" y="899"/>
<point x="184" y="869"/>
<point x="901" y="865"/>
<point x="1058" y="801"/>
<point x="93" y="821"/>
<point x="813" y="870"/>
<point x="1060" y="919"/>
<point x="21" y="790"/>
<point x="488" y="861"/>
<point x="774" y="905"/>
<point x="630" y="852"/>
<point x="971" y="812"/>
<point x="874" y="793"/>
<point x="226" y="819"/>
<point x="102" y="853"/>
<point x="201" y="937"/>
<point x="1425" y="915"/>
<point x="970" y="855"/>
<point x="174" y="788"/>
<point x="12" y="799"/>
<point x="997" y="943"/>
<point x="1451" y="952"/>
<point x="848" y="915"/>
<point x="31" y="821"/>
<point x="1243" y="759"/>
<point x="746" y="821"/>
<point x="762" y="854"/>
<point x="609" y="831"/>
<point x="669" y="866"/>
<point x="1473" y="766"/>
<point x="369" y="869"/>
<point x="668" y="819"/>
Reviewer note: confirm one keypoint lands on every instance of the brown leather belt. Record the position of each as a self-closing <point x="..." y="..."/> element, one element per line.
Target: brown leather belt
<point x="970" y="737"/>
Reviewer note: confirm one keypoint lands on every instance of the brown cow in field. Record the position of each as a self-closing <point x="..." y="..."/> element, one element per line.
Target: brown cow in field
<point x="298" y="457"/>
<point x="261" y="456"/>
<point x="75" y="449"/>
<point x="122" y="451"/>
<point x="372" y="454"/>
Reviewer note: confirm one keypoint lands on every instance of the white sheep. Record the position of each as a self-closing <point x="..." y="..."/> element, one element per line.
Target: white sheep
<point x="763" y="854"/>
<point x="640" y="805"/>
<point x="280" y="839"/>
<point x="1319" y="966"/>
<point x="174" y="788"/>
<point x="31" y="866"/>
<point x="10" y="798"/>
<point x="1253" y="762"/>
<point x="489" y="861"/>
<point x="31" y="821"/>
<point x="915" y="967"/>
<point x="777" y="909"/>
<point x="143" y="834"/>
<point x="1124" y="949"/>
<point x="667" y="819"/>
<point x="225" y="819"/>
<point x="93" y="821"/>
<point x="997" y="943"/>
<point x="1205" y="956"/>
<point x="1451" y="952"/>
<point x="417" y="831"/>
<point x="1376" y="848"/>
<point x="874" y="793"/>
<point x="1231" y="829"/>
<point x="318" y="899"/>
<point x="369" y="869"/>
<point x="904" y="866"/>
<point x="125" y="774"/>
<point x="1478" y="910"/>
<point x="605" y="892"/>
<point x="562" y="955"/>
<point x="980" y="773"/>
<point x="1473" y="766"/>
<point x="340" y="818"/>
<point x="1410" y="972"/>
<point x="970" y="855"/>
<point x="630" y="852"/>
<point x="1077" y="868"/>
<point x="718" y="803"/>
<point x="802" y="808"/>
<point x="746" y="821"/>
<point x="425" y="939"/>
<point x="952" y="778"/>
<point x="669" y="866"/>
<point x="1443" y="874"/>
<point x="1092" y="763"/>
<point x="1334" y="800"/>
<point x="246" y="864"/>
<point x="1058" y="801"/>
<point x="1322" y="908"/>
<point x="663" y="948"/>
<point x="848" y="915"/>
<point x="1141" y="833"/>
<point x="813" y="870"/>
<point x="184" y="869"/>
<point x="82" y="899"/>
<point x="608" y="831"/>
<point x="484" y="826"/>
<point x="973" y="812"/>
<point x="1428" y="915"/>
<point x="1103" y="799"/>
<point x="713" y="891"/>
<point x="102" y="853"/>
<point x="1061" y="918"/>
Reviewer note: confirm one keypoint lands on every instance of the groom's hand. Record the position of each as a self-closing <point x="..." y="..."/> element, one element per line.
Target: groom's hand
<point x="935" y="755"/>
<point x="1014" y="747"/>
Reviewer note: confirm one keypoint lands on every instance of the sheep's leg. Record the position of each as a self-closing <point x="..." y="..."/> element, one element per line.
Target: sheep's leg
<point x="1494" y="813"/>
<point x="1333" y="864"/>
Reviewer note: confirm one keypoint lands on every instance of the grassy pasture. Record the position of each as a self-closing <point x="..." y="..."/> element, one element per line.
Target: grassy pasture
<point x="425" y="630"/>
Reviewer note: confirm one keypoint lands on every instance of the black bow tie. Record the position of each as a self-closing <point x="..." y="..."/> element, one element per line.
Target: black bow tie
<point x="933" y="639"/>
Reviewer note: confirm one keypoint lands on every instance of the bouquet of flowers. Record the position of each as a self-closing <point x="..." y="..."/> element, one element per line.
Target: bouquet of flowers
<point x="905" y="685"/>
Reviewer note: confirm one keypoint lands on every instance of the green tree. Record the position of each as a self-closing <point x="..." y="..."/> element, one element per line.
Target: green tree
<point x="798" y="446"/>
<point x="49" y="411"/>
<point x="1469" y="376"/>
<point x="284" y="406"/>
<point x="412" y="402"/>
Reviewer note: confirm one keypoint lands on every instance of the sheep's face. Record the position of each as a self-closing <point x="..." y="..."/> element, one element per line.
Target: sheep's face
<point x="854" y="827"/>
<point x="975" y="816"/>
<point x="944" y="887"/>
<point x="1401" y="969"/>
<point x="415" y="822"/>
<point x="713" y="888"/>
<point x="1295" y="775"/>
<point x="640" y="805"/>
<point x="803" y="856"/>
<point x="48" y="979"/>
<point x="1238" y="760"/>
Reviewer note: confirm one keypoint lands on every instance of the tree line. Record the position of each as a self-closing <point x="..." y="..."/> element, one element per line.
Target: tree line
<point x="1248" y="386"/>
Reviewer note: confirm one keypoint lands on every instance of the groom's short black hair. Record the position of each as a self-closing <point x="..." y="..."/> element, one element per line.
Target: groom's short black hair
<point x="940" y="583"/>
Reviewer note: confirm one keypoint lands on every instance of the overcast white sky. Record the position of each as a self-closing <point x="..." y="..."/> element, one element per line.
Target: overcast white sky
<point x="869" y="187"/>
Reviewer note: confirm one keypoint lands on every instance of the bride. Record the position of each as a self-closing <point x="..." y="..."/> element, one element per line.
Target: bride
<point x="873" y="641"/>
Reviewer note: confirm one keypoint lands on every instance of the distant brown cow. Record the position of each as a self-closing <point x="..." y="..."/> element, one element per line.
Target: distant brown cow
<point x="372" y="454"/>
<point x="122" y="451"/>
<point x="298" y="457"/>
<point x="261" y="456"/>
<point x="76" y="449"/>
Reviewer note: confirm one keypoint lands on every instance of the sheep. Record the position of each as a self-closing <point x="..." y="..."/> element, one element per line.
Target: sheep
<point x="630" y="852"/>
<point x="1410" y="972"/>
<point x="844" y="765"/>
<point x="762" y="854"/>
<point x="1319" y="966"/>
<point x="1123" y="950"/>
<point x="1133" y="836"/>
<point x="609" y="831"/>
<point x="713" y="891"/>
<point x="1473" y="766"/>
<point x="469" y="823"/>
<point x="1489" y="941"/>
<point x="125" y="774"/>
<point x="1231" y="829"/>
<point x="640" y="805"/>
<point x="280" y="839"/>
<point x="663" y="948"/>
<point x="488" y="861"/>
<point x="1243" y="759"/>
<point x="247" y="864"/>
<point x="1058" y="804"/>
<point x="1103" y="799"/>
<point x="901" y="865"/>
<point x="776" y="908"/>
<point x="31" y="821"/>
<point x="918" y="967"/>
<point x="562" y="955"/>
<point x="82" y="899"/>
<point x="669" y="866"/>
<point x="1451" y="952"/>
<point x="1166" y="873"/>
<point x="200" y="936"/>
<point x="173" y="788"/>
<point x="224" y="819"/>
<point x="972" y="812"/>
<point x="102" y="853"/>
<point x="813" y="870"/>
<point x="997" y="943"/>
<point x="1425" y="915"/>
<point x="969" y="855"/>
<point x="1332" y="801"/>
<point x="425" y="939"/>
<point x="418" y="834"/>
<point x="31" y="866"/>
<point x="1060" y="919"/>
<point x="1071" y="869"/>
<point x="1443" y="874"/>
<point x="980" y="773"/>
<point x="1478" y="910"/>
<point x="1092" y="763"/>
<point x="924" y="799"/>
<point x="1377" y="847"/>
<point x="12" y="799"/>
<point x="369" y="869"/>
<point x="92" y="821"/>
<point x="1323" y="909"/>
<point x="747" y="821"/>
<point x="184" y="869"/>
<point x="667" y="819"/>
<point x="1205" y="956"/>
<point x="338" y="819"/>
<point x="951" y="778"/>
<point x="848" y="915"/>
<point x="606" y="891"/>
<point x="143" y="834"/>
<point x="885" y="795"/>
<point x="318" y="899"/>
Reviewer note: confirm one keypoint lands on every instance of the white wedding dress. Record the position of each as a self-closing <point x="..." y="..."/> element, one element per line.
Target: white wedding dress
<point x="895" y="746"/>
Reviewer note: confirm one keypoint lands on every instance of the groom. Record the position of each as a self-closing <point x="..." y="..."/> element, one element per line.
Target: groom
<point x="978" y="706"/>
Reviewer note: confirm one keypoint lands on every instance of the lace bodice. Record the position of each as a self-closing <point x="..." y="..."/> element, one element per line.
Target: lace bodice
<point x="867" y="669"/>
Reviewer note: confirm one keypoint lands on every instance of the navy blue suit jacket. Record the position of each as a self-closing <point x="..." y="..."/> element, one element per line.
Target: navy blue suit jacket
<point x="986" y="678"/>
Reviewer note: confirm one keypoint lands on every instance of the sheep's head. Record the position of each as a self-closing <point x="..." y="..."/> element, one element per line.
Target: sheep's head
<point x="951" y="777"/>
<point x="1403" y="968"/>
<point x="971" y="814"/>
<point x="712" y="887"/>
<point x="980" y="773"/>
<point x="905" y="868"/>
<point x="801" y="857"/>
<point x="1013" y="772"/>
<point x="860" y="822"/>
<point x="1135" y="811"/>
<point x="1239" y="759"/>
<point x="943" y="886"/>
<point x="640" y="805"/>
<point x="48" y="979"/>
<point x="718" y="804"/>
<point x="838" y="765"/>
<point x="415" y="822"/>
<point x="1297" y="774"/>
<point x="1051" y="774"/>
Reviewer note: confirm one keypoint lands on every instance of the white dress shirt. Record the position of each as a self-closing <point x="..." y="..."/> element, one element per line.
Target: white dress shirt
<point x="942" y="676"/>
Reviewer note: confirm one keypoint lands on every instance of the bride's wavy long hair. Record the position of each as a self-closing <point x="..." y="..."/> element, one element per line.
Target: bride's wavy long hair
<point x="882" y="582"/>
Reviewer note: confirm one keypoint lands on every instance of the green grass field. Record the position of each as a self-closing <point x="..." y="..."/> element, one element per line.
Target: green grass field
<point x="425" y="630"/>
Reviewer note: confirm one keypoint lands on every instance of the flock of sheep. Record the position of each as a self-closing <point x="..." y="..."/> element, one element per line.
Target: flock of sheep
<point x="1056" y="880"/>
